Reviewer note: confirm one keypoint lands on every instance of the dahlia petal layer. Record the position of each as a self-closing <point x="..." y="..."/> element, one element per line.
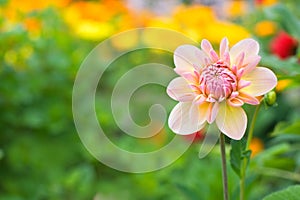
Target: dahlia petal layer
<point x="232" y="121"/>
<point x="185" y="119"/>
<point x="179" y="90"/>
<point x="187" y="58"/>
<point x="262" y="81"/>
<point x="249" y="46"/>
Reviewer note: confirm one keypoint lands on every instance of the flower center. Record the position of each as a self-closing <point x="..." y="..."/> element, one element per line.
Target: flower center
<point x="217" y="81"/>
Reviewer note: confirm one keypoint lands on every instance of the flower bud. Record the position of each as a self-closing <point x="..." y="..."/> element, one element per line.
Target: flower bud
<point x="270" y="98"/>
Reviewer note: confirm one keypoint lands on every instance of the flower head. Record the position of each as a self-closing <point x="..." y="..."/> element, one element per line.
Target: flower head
<point x="212" y="87"/>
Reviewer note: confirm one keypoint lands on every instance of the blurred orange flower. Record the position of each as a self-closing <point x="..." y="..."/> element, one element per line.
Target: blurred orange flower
<point x="256" y="146"/>
<point x="18" y="12"/>
<point x="283" y="84"/>
<point x="96" y="20"/>
<point x="236" y="8"/>
<point x="26" y="6"/>
<point x="32" y="25"/>
<point x="265" y="28"/>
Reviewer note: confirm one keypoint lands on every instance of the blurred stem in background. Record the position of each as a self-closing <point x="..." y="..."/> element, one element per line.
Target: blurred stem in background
<point x="268" y="171"/>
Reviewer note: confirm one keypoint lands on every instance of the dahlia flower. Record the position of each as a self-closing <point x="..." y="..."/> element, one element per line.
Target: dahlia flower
<point x="213" y="88"/>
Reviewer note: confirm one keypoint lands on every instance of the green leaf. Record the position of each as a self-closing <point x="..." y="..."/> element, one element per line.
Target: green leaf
<point x="283" y="138"/>
<point x="286" y="128"/>
<point x="246" y="155"/>
<point x="290" y="193"/>
<point x="1" y="154"/>
<point x="235" y="157"/>
<point x="287" y="19"/>
<point x="276" y="156"/>
<point x="238" y="154"/>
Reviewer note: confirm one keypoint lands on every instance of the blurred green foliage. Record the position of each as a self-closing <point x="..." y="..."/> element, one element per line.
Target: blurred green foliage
<point x="41" y="156"/>
<point x="291" y="193"/>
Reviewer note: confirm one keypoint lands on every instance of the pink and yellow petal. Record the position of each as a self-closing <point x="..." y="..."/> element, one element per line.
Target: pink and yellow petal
<point x="212" y="111"/>
<point x="185" y="119"/>
<point x="208" y="49"/>
<point x="206" y="46"/>
<point x="235" y="102"/>
<point x="249" y="46"/>
<point x="248" y="98"/>
<point x="232" y="121"/>
<point x="224" y="47"/>
<point x="262" y="81"/>
<point x="250" y="63"/>
<point x="187" y="58"/>
<point x="178" y="89"/>
<point x="198" y="113"/>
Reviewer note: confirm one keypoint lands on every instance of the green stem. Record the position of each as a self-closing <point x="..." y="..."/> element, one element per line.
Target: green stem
<point x="224" y="168"/>
<point x="242" y="188"/>
<point x="244" y="162"/>
<point x="251" y="129"/>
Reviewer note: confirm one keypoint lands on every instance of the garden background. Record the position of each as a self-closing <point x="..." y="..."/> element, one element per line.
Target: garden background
<point x="43" y="44"/>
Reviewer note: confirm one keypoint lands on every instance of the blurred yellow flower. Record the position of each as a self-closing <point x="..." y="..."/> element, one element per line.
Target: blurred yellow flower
<point x="236" y="8"/>
<point x="283" y="84"/>
<point x="194" y="34"/>
<point x="168" y="40"/>
<point x="256" y="146"/>
<point x="96" y="20"/>
<point x="217" y="30"/>
<point x="93" y="30"/>
<point x="163" y="22"/>
<point x="198" y="22"/>
<point x="195" y="16"/>
<point x="126" y="40"/>
<point x="265" y="28"/>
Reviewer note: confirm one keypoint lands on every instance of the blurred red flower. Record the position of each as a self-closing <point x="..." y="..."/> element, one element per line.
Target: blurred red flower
<point x="283" y="45"/>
